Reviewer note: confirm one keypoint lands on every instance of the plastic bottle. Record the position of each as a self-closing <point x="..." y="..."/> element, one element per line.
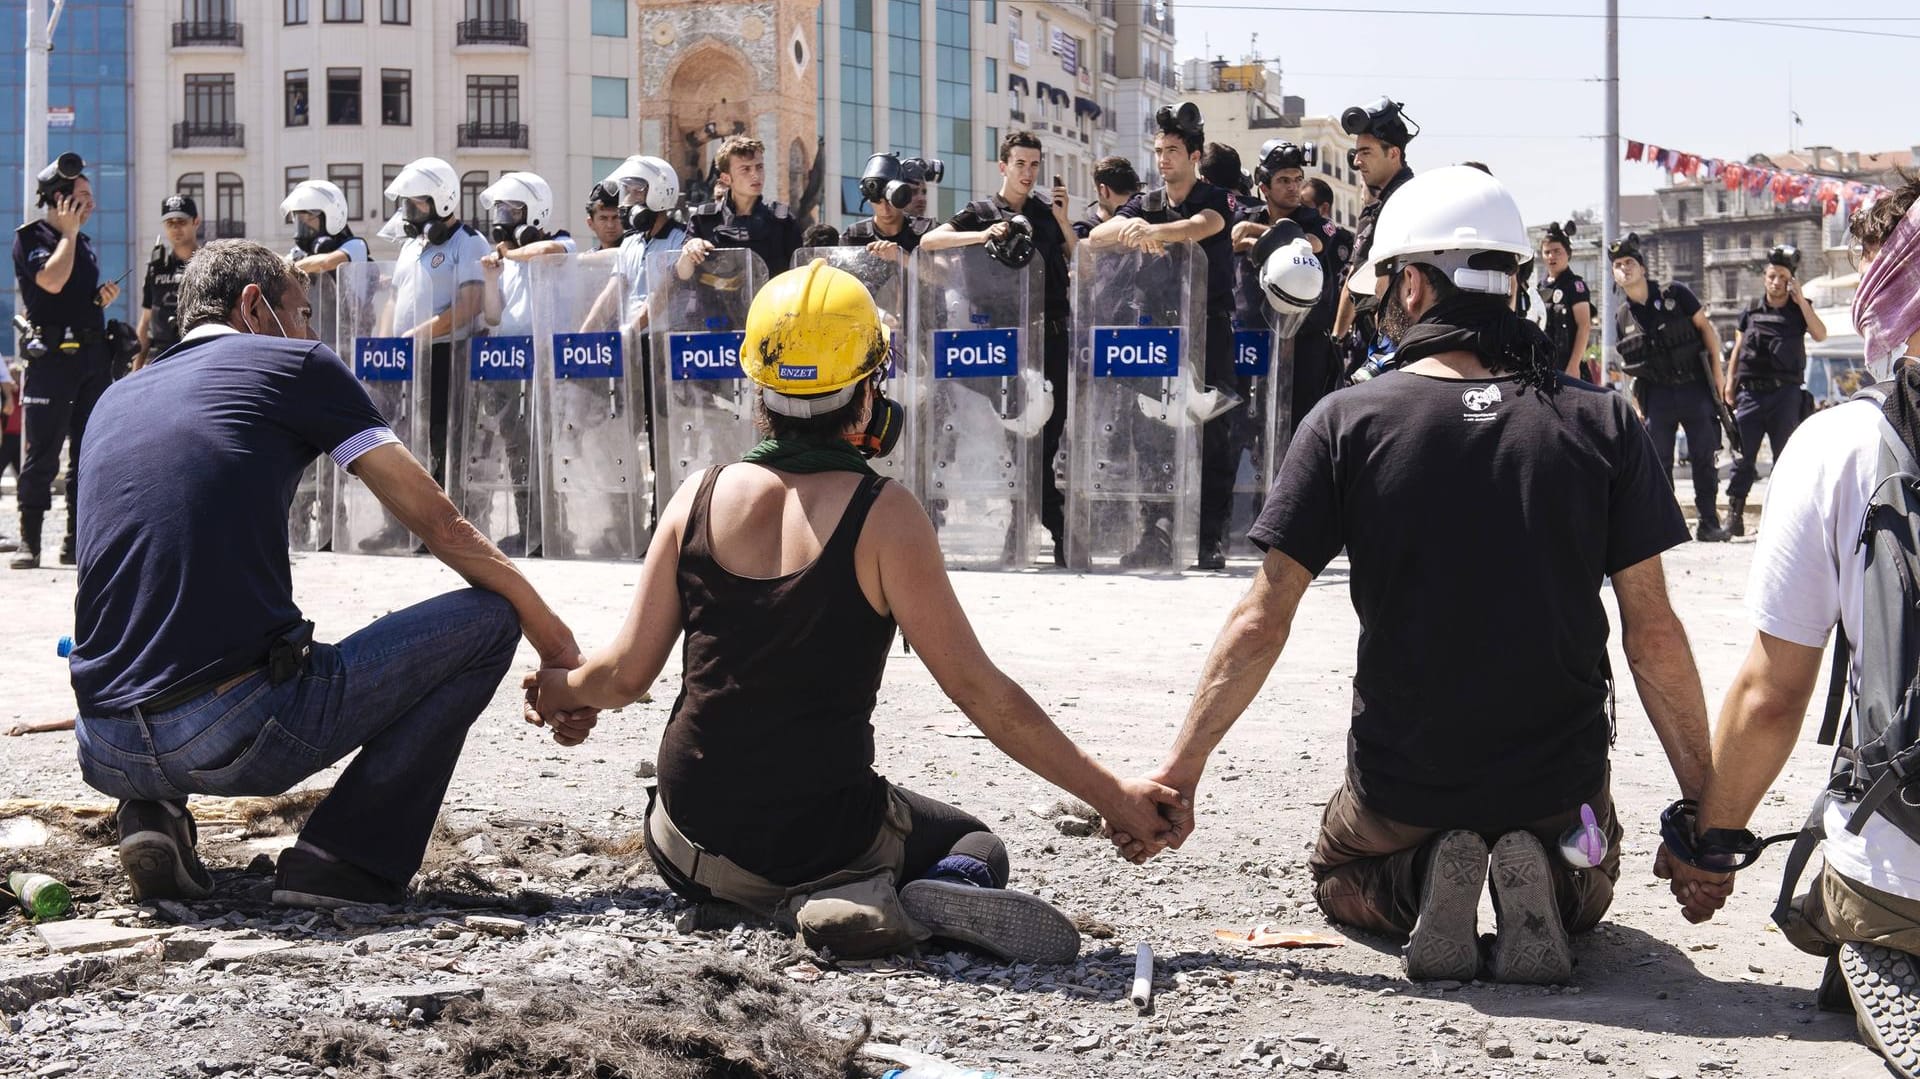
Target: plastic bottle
<point x="930" y="1068"/>
<point x="40" y="896"/>
<point x="65" y="647"/>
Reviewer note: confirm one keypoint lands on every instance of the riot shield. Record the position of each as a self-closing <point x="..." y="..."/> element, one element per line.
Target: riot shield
<point x="888" y="281"/>
<point x="393" y="366"/>
<point x="1138" y="401"/>
<point x="702" y="403"/>
<point x="595" y="485"/>
<point x="977" y="323"/>
<point x="310" y="520"/>
<point x="491" y="474"/>
<point x="1263" y="356"/>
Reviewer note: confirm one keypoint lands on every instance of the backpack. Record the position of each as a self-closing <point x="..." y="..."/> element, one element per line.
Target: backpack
<point x="1877" y="762"/>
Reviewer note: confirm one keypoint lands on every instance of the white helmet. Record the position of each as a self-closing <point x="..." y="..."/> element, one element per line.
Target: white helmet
<point x="525" y="188"/>
<point x="1446" y="218"/>
<point x="428" y="178"/>
<point x="318" y="197"/>
<point x="644" y="181"/>
<point x="1290" y="273"/>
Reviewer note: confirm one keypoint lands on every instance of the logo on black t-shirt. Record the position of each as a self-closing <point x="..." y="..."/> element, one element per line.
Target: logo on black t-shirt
<point x="1478" y="400"/>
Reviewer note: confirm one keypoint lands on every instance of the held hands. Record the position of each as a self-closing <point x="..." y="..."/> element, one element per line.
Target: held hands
<point x="1171" y="801"/>
<point x="1698" y="891"/>
<point x="552" y="703"/>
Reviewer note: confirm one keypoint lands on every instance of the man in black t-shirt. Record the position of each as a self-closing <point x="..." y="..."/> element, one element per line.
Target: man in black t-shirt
<point x="1482" y="498"/>
<point x="1767" y="373"/>
<point x="741" y="217"/>
<point x="1053" y="240"/>
<point x="1114" y="184"/>
<point x="193" y="669"/>
<point x="1190" y="210"/>
<point x="159" y="328"/>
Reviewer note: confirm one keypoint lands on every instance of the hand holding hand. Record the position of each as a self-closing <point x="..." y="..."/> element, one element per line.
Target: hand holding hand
<point x="551" y="703"/>
<point x="1148" y="819"/>
<point x="1698" y="891"/>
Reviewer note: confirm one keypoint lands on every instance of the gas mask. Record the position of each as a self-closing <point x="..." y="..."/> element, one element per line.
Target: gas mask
<point x="418" y="220"/>
<point x="56" y="181"/>
<point x="1280" y="154"/>
<point x="1383" y="119"/>
<point x="636" y="219"/>
<point x="1184" y="121"/>
<point x="305" y="236"/>
<point x="884" y="425"/>
<point x="509" y="225"/>
<point x="896" y="182"/>
<point x="1016" y="248"/>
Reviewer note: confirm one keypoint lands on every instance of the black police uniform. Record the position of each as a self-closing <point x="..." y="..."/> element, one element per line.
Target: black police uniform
<point x="1768" y="399"/>
<point x="1216" y="436"/>
<point x="1089" y="221"/>
<point x="160" y="294"/>
<point x="63" y="384"/>
<point x="1050" y="243"/>
<point x="1664" y="352"/>
<point x="769" y="230"/>
<point x="1362" y="244"/>
<point x="866" y="231"/>
<point x="1562" y="294"/>
<point x="1316" y="370"/>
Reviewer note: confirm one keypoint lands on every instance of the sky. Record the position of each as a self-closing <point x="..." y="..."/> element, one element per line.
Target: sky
<point x="1522" y="92"/>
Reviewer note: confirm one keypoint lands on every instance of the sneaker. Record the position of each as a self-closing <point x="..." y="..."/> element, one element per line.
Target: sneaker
<point x="157" y="851"/>
<point x="1886" y="1002"/>
<point x="1213" y="556"/>
<point x="1445" y="943"/>
<point x="1154" y="549"/>
<point x="1014" y="926"/>
<point x="304" y="879"/>
<point x="1532" y="945"/>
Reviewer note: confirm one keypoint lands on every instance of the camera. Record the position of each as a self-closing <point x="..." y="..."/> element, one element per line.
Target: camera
<point x="889" y="178"/>
<point x="1280" y="154"/>
<point x="1383" y="118"/>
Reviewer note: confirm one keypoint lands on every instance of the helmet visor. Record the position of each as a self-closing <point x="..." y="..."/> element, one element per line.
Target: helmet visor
<point x="625" y="190"/>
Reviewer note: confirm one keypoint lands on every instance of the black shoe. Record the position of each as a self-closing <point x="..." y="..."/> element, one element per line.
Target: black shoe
<point x="28" y="558"/>
<point x="1710" y="532"/>
<point x="1445" y="942"/>
<point x="514" y="546"/>
<point x="1059" y="549"/>
<point x="1532" y="946"/>
<point x="303" y="879"/>
<point x="157" y="851"/>
<point x="389" y="538"/>
<point x="1154" y="549"/>
<point x="1213" y="556"/>
<point x="66" y="554"/>
<point x="1736" y="516"/>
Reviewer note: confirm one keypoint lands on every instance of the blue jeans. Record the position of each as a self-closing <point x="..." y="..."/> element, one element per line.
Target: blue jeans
<point x="403" y="690"/>
<point x="1689" y="408"/>
<point x="1773" y="413"/>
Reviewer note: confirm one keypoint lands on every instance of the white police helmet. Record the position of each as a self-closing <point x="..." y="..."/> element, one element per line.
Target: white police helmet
<point x="525" y="188"/>
<point x="428" y="178"/>
<point x="318" y="197"/>
<point x="1290" y="273"/>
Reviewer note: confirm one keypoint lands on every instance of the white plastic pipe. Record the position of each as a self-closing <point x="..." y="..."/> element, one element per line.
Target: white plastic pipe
<point x="1142" y="995"/>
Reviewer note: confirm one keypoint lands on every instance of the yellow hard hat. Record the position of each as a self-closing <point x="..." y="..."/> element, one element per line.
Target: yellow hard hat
<point x="813" y="335"/>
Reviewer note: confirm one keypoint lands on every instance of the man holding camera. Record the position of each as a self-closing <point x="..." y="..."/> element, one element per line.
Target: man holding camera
<point x="160" y="291"/>
<point x="1380" y="156"/>
<point x="64" y="341"/>
<point x="1016" y="208"/>
<point x="1765" y="379"/>
<point x="893" y="185"/>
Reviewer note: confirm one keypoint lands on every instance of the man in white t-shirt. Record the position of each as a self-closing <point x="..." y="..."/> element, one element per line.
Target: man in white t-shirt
<point x="1808" y="574"/>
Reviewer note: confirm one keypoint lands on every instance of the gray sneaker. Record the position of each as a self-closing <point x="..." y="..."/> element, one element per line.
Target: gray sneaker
<point x="1445" y="943"/>
<point x="1532" y="945"/>
<point x="1886" y="1001"/>
<point x="156" y="850"/>
<point x="1015" y="926"/>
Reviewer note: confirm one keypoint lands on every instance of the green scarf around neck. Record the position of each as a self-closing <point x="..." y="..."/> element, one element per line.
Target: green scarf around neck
<point x="806" y="455"/>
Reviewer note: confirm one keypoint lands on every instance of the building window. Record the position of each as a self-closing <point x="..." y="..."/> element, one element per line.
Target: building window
<point x="396" y="11"/>
<point x="609" y="96"/>
<point x="610" y="18"/>
<point x="388" y="174"/>
<point x="904" y="103"/>
<point x="343" y="95"/>
<point x="494" y="10"/>
<point x="296" y="99"/>
<point x="604" y="166"/>
<point x="350" y="179"/>
<point x="296" y="175"/>
<point x="493" y="99"/>
<point x="342" y="11"/>
<point x="210" y="102"/>
<point x="396" y="97"/>
<point x="993" y="12"/>
<point x="856" y="98"/>
<point x="471" y="184"/>
<point x="294" y="12"/>
<point x="229" y="206"/>
<point x="953" y="109"/>
<point x="193" y="185"/>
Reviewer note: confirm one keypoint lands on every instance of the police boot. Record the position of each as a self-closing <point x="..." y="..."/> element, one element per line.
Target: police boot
<point x="1736" y="516"/>
<point x="66" y="544"/>
<point x="29" y="556"/>
<point x="1709" y="530"/>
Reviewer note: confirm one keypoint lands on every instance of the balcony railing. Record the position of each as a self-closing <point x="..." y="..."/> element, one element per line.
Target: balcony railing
<point x="491" y="32"/>
<point x="496" y="136"/>
<point x="225" y="229"/>
<point x="189" y="135"/>
<point x="206" y="33"/>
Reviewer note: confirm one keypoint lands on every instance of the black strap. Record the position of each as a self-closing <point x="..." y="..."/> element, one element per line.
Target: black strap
<point x="1809" y="839"/>
<point x="1836" y="689"/>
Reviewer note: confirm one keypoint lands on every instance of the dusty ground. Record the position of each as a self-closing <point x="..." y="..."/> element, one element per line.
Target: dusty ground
<point x="598" y="974"/>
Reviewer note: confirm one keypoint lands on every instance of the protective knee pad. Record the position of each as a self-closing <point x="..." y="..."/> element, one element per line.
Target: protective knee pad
<point x="856" y="920"/>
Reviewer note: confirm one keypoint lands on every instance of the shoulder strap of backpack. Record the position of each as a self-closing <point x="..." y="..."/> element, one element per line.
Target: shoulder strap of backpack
<point x="1836" y="688"/>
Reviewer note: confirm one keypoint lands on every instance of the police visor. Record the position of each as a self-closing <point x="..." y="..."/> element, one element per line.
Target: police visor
<point x="624" y="191"/>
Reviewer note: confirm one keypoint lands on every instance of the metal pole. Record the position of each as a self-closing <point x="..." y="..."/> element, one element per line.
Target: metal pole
<point x="34" y="123"/>
<point x="1610" y="195"/>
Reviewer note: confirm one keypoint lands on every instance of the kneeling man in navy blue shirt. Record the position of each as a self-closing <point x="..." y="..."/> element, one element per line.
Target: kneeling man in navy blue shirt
<point x="193" y="669"/>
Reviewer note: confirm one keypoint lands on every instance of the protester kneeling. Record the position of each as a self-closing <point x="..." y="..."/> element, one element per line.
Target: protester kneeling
<point x="1837" y="546"/>
<point x="788" y="574"/>
<point x="192" y="667"/>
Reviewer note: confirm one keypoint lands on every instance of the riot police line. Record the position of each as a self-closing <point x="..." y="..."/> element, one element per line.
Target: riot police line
<point x="572" y="420"/>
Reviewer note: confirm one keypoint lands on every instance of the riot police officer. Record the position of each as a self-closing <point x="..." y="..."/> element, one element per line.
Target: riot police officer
<point x="1381" y="135"/>
<point x="160" y="292"/>
<point x="994" y="220"/>
<point x="742" y="217"/>
<point x="1765" y="376"/>
<point x="64" y="344"/>
<point x="1280" y="180"/>
<point x="440" y="259"/>
<point x="1114" y="183"/>
<point x="647" y="192"/>
<point x="890" y="185"/>
<point x="1671" y="349"/>
<point x="1569" y="307"/>
<point x="1190" y="209"/>
<point x="323" y="239"/>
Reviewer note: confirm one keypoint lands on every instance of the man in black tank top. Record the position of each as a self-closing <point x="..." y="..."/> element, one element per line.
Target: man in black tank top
<point x="767" y="796"/>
